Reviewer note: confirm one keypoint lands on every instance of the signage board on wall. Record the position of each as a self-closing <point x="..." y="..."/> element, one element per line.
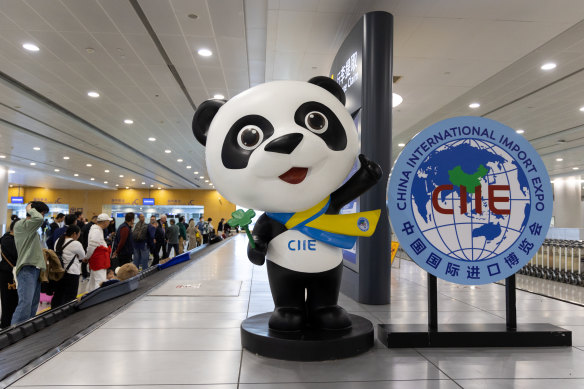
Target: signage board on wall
<point x="148" y="201"/>
<point x="17" y="200"/>
<point x="470" y="200"/>
<point x="347" y="67"/>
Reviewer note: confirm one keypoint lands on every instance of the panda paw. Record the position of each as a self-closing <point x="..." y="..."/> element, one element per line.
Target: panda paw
<point x="257" y="255"/>
<point x="330" y="318"/>
<point x="287" y="319"/>
<point x="370" y="167"/>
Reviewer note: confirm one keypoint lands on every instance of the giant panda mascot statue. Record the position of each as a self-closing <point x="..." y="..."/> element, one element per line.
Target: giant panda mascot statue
<point x="286" y="147"/>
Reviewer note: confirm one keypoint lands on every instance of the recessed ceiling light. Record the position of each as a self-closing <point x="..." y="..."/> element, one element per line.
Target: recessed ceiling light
<point x="548" y="66"/>
<point x="195" y="172"/>
<point x="2" y="156"/>
<point x="152" y="186"/>
<point x="66" y="158"/>
<point x="92" y="179"/>
<point x="205" y="52"/>
<point x="128" y="121"/>
<point x="559" y="159"/>
<point x="189" y="166"/>
<point x="30" y="47"/>
<point x="167" y="151"/>
<point x="179" y="160"/>
<point x="206" y="180"/>
<point x="474" y="105"/>
<point x="401" y="145"/>
<point x="106" y="171"/>
<point x="105" y="182"/>
<point x="581" y="109"/>
<point x="133" y="179"/>
<point x="57" y="170"/>
<point x="121" y="176"/>
<point x="36" y="148"/>
<point x="396" y="100"/>
<point x="202" y="177"/>
<point x="151" y="139"/>
<point x="93" y="94"/>
<point x="11" y="171"/>
<point x="88" y="165"/>
<point x="32" y="164"/>
<point x="76" y="175"/>
<point x="143" y="183"/>
<point x="117" y="184"/>
<point x="127" y="187"/>
<point x="11" y="186"/>
<point x="520" y="131"/>
<point x="210" y="183"/>
<point x="218" y="96"/>
<point x="575" y="168"/>
<point x="159" y="188"/>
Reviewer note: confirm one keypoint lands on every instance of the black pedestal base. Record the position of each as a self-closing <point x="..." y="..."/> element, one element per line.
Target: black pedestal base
<point x="307" y="345"/>
<point x="473" y="335"/>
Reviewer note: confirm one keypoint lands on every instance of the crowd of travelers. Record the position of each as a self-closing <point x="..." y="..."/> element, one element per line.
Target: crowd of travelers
<point x="94" y="252"/>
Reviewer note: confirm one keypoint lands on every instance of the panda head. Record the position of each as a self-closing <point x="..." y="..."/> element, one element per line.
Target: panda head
<point x="281" y="146"/>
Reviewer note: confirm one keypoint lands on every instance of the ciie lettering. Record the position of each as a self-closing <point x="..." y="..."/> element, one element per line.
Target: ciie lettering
<point x="477" y="200"/>
<point x="302" y="245"/>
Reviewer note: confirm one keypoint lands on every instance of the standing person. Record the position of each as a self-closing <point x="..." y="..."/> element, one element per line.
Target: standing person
<point x="8" y="293"/>
<point x="98" y="253"/>
<point x="161" y="236"/>
<point x="79" y="219"/>
<point x="69" y="220"/>
<point x="124" y="242"/>
<point x="201" y="224"/>
<point x="220" y="226"/>
<point x="208" y="230"/>
<point x="152" y="240"/>
<point x="192" y="234"/>
<point x="140" y="235"/>
<point x="84" y="240"/>
<point x="31" y="261"/>
<point x="71" y="252"/>
<point x="182" y="234"/>
<point x="172" y="234"/>
<point x="55" y="225"/>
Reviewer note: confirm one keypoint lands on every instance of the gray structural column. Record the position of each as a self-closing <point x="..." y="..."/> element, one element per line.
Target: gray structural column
<point x="374" y="252"/>
<point x="3" y="198"/>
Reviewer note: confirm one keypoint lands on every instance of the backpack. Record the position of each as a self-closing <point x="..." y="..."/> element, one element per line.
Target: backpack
<point x="205" y="228"/>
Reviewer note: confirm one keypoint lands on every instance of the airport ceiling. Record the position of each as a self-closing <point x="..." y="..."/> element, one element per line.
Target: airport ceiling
<point x="141" y="57"/>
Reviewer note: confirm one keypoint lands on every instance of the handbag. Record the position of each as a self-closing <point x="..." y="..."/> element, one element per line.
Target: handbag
<point x="11" y="285"/>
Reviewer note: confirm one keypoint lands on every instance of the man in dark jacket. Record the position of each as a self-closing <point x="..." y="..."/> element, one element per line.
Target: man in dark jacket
<point x="152" y="227"/>
<point x="69" y="220"/>
<point x="124" y="242"/>
<point x="161" y="236"/>
<point x="182" y="234"/>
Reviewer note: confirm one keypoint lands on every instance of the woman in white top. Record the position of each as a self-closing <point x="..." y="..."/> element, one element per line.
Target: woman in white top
<point x="72" y="254"/>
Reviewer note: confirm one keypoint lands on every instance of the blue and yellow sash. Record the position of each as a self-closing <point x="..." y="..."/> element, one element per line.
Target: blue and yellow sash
<point x="337" y="230"/>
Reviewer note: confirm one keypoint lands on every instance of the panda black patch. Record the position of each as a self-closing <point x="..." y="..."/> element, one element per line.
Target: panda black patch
<point x="244" y="136"/>
<point x="321" y="121"/>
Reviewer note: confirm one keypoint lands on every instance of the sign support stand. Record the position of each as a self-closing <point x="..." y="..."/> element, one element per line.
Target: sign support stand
<point x="473" y="335"/>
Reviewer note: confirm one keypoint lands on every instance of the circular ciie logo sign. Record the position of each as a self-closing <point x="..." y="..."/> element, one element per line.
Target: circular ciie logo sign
<point x="470" y="200"/>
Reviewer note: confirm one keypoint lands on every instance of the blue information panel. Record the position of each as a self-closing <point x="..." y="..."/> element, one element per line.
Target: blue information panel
<point x="17" y="200"/>
<point x="470" y="200"/>
<point x="147" y="201"/>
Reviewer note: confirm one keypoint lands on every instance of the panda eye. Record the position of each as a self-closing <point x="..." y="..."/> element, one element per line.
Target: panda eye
<point x="250" y="137"/>
<point x="316" y="122"/>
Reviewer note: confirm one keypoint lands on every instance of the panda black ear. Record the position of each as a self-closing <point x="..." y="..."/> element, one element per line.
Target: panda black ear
<point x="203" y="118"/>
<point x="330" y="85"/>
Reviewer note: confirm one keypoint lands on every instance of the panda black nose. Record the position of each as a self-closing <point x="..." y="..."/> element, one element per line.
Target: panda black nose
<point x="284" y="144"/>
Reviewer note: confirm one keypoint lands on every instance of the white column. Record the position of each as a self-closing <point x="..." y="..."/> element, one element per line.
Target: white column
<point x="568" y="202"/>
<point x="3" y="198"/>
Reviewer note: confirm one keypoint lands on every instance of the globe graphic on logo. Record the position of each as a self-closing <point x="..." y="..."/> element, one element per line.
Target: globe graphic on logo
<point x="471" y="230"/>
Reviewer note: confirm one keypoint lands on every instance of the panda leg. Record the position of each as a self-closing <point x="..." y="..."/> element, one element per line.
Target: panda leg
<point x="323" y="295"/>
<point x="287" y="288"/>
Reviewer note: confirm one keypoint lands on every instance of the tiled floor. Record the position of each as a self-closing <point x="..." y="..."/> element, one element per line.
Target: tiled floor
<point x="193" y="341"/>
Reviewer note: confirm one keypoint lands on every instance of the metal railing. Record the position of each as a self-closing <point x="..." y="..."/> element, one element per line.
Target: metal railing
<point x="558" y="260"/>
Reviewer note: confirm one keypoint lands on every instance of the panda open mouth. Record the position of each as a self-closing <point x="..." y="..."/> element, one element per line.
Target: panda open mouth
<point x="295" y="175"/>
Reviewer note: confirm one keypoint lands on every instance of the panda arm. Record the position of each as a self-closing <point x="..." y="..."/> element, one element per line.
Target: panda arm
<point x="368" y="175"/>
<point x="264" y="231"/>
